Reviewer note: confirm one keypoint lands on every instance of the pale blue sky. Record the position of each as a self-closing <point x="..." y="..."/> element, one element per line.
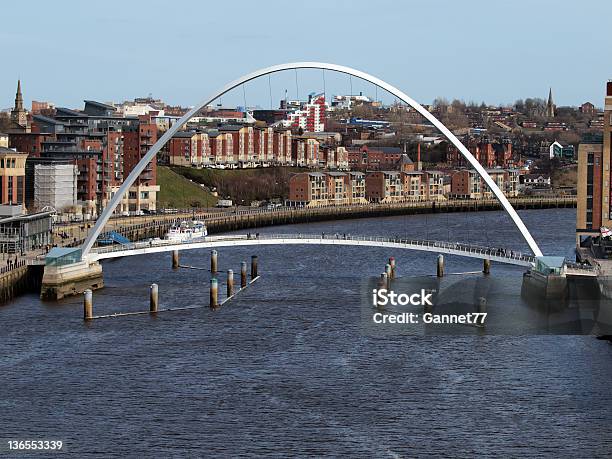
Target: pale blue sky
<point x="180" y="51"/>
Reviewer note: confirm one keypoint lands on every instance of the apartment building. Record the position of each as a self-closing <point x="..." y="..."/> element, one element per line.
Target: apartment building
<point x="489" y="153"/>
<point x="467" y="183"/>
<point x="411" y="185"/>
<point x="327" y="188"/>
<point x="311" y="116"/>
<point x="432" y="185"/>
<point x="384" y="186"/>
<point x="137" y="140"/>
<point x="12" y="176"/>
<point x="590" y="186"/>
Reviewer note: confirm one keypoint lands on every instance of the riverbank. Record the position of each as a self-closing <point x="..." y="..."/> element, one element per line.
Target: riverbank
<point x="218" y="220"/>
<point x="316" y="214"/>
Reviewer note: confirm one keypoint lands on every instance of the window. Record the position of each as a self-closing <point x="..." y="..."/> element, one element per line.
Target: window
<point x="19" y="190"/>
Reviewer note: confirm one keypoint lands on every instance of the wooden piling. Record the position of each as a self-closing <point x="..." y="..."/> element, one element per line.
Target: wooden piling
<point x="87" y="304"/>
<point x="486" y="266"/>
<point x="213" y="262"/>
<point x="154" y="298"/>
<point x="243" y="274"/>
<point x="388" y="272"/>
<point x="230" y="283"/>
<point x="440" y="271"/>
<point x="175" y="259"/>
<point x="214" y="293"/>
<point x="392" y="264"/>
<point x="254" y="267"/>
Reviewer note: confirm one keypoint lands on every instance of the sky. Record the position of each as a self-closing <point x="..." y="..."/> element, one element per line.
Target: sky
<point x="182" y="51"/>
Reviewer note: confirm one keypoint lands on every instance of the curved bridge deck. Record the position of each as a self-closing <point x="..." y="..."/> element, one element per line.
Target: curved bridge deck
<point x="465" y="250"/>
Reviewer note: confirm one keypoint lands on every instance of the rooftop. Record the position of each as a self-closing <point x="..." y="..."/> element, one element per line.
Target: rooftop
<point x="10" y="151"/>
<point x="184" y="134"/>
<point x="100" y="104"/>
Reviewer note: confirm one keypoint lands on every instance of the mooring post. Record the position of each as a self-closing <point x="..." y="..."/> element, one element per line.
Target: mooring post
<point x="230" y="283"/>
<point x="213" y="262"/>
<point x="243" y="274"/>
<point x="153" y="298"/>
<point x="214" y="291"/>
<point x="392" y="263"/>
<point x="253" y="267"/>
<point x="87" y="304"/>
<point x="486" y="266"/>
<point x="388" y="271"/>
<point x="175" y="259"/>
<point x="440" y="272"/>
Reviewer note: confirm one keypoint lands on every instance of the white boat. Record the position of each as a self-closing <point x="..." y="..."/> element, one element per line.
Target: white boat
<point x="187" y="231"/>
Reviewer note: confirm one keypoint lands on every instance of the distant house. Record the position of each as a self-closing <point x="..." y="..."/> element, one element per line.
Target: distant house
<point x="535" y="180"/>
<point x="557" y="150"/>
<point x="588" y="108"/>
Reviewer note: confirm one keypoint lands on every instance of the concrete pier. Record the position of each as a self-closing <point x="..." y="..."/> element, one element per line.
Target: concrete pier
<point x="87" y="304"/>
<point x="70" y="279"/>
<point x="213" y="262"/>
<point x="175" y="259"/>
<point x="254" y="267"/>
<point x="214" y="293"/>
<point x="154" y="298"/>
<point x="230" y="282"/>
<point x="440" y="270"/>
<point x="243" y="274"/>
<point x="486" y="266"/>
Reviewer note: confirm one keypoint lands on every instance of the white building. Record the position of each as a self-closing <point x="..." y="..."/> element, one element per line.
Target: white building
<point x="55" y="185"/>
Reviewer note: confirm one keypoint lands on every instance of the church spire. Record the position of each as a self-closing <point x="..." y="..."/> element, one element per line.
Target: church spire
<point x="18" y="97"/>
<point x="18" y="115"/>
<point x="550" y="105"/>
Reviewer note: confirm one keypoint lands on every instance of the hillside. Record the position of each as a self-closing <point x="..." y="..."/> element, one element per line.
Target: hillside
<point x="565" y="177"/>
<point x="243" y="185"/>
<point x="178" y="192"/>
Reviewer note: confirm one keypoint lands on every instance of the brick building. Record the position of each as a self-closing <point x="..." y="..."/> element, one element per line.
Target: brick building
<point x="327" y="188"/>
<point x="488" y="153"/>
<point x="138" y="138"/>
<point x="590" y="189"/>
<point x="12" y="176"/>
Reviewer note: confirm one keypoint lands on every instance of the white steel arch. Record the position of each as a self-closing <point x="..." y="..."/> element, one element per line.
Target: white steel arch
<point x="106" y="214"/>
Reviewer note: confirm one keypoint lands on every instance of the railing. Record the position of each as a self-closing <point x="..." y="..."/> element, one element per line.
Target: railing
<point x="12" y="265"/>
<point x="457" y="247"/>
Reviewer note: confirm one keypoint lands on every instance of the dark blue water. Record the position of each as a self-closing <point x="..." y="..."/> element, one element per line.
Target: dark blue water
<point x="285" y="370"/>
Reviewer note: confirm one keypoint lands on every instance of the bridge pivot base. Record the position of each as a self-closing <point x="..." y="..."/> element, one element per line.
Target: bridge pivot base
<point x="68" y="280"/>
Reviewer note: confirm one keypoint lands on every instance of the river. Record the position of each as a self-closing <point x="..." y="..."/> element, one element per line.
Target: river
<point x="284" y="369"/>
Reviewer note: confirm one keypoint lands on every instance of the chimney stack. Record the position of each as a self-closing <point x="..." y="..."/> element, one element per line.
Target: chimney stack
<point x="609" y="88"/>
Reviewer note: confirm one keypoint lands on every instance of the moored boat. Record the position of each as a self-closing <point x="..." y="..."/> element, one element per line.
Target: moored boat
<point x="187" y="231"/>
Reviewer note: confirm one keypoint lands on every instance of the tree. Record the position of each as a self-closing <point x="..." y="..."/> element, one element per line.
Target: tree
<point x="519" y="106"/>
